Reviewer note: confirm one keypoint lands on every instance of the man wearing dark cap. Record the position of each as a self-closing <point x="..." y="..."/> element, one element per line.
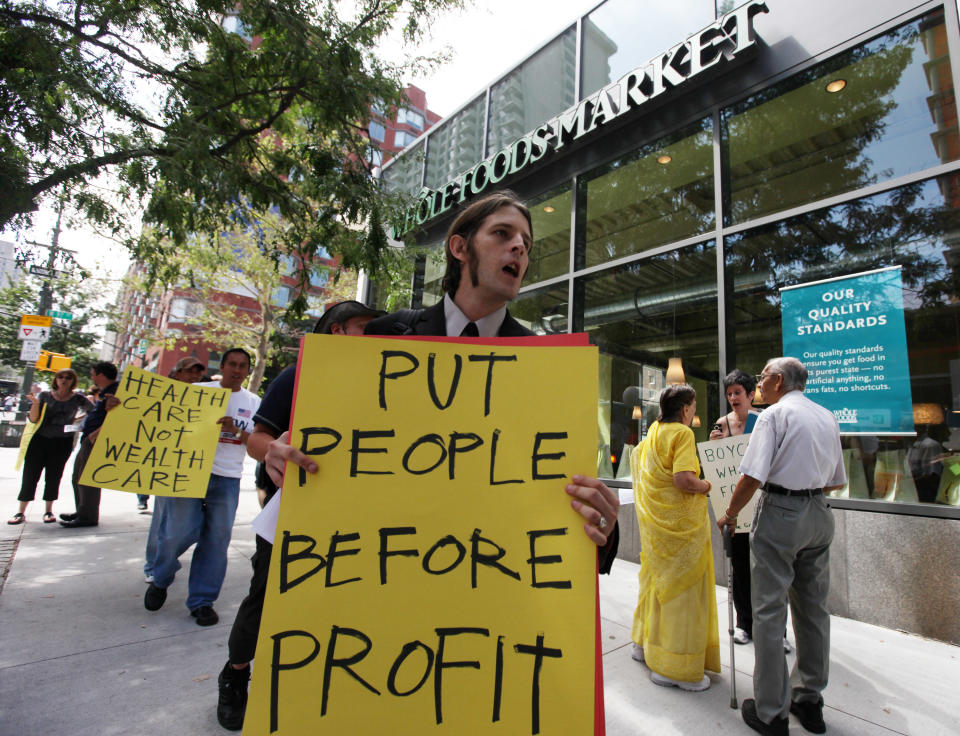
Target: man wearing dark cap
<point x="188" y="370"/>
<point x="271" y="420"/>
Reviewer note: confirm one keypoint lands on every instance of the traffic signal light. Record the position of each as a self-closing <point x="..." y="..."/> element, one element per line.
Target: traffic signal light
<point x="52" y="361"/>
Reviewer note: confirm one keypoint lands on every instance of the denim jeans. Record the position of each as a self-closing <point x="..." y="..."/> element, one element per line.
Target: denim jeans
<point x="155" y="521"/>
<point x="208" y="522"/>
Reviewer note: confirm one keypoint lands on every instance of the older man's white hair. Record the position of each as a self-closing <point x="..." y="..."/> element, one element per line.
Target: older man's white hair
<point x="793" y="371"/>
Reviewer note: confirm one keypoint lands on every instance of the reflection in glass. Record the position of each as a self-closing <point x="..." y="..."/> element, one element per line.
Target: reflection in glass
<point x="798" y="142"/>
<point x="542" y="310"/>
<point x="534" y="92"/>
<point x="617" y="38"/>
<point x="550" y="254"/>
<point x="661" y="193"/>
<point x="456" y="144"/>
<point x="404" y="174"/>
<point x="641" y="315"/>
<point x="917" y="227"/>
<point x="435" y="264"/>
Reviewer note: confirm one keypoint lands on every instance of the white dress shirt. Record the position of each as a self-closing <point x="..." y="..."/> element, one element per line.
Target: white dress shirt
<point x="487" y="326"/>
<point x="795" y="444"/>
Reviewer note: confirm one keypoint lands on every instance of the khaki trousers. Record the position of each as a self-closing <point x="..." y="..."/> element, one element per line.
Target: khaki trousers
<point x="790" y="559"/>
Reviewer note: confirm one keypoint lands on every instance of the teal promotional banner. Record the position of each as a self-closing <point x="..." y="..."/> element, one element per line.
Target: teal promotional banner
<point x="850" y="334"/>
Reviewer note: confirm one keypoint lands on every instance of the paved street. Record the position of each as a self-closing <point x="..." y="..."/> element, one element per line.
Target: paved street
<point x="81" y="656"/>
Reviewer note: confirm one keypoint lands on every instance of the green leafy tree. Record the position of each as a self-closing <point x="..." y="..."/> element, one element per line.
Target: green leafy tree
<point x="74" y="338"/>
<point x="195" y="108"/>
<point x="242" y="262"/>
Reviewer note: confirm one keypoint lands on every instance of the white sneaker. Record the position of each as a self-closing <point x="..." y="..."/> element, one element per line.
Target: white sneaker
<point x="693" y="687"/>
<point x="148" y="578"/>
<point x="787" y="646"/>
<point x="741" y="637"/>
<point x="637" y="652"/>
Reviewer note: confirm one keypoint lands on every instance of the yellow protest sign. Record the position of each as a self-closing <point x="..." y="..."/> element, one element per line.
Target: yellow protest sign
<point x="720" y="460"/>
<point x="432" y="577"/>
<point x="160" y="440"/>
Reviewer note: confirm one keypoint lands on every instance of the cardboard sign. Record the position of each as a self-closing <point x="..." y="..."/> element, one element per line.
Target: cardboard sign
<point x="720" y="461"/>
<point x="432" y="576"/>
<point x="160" y="440"/>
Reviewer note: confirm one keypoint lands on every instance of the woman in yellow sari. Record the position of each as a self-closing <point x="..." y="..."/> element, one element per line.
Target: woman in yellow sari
<point x="675" y="627"/>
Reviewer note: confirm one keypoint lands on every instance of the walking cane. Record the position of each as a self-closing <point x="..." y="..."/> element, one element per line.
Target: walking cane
<point x="728" y="553"/>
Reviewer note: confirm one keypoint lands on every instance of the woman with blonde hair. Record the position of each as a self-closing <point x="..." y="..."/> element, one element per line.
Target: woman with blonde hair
<point x="675" y="628"/>
<point x="52" y="443"/>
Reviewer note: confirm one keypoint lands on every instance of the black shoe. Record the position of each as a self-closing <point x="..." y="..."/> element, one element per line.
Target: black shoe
<point x="779" y="726"/>
<point x="69" y="517"/>
<point x="810" y="715"/>
<point x="154" y="597"/>
<point x="142" y="506"/>
<point x="205" y="615"/>
<point x="232" y="703"/>
<point x="76" y="523"/>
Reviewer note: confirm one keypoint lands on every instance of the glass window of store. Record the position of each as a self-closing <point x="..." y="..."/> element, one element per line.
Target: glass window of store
<point x="642" y="316"/>
<point x="660" y="193"/>
<point x="878" y="111"/>
<point x="916" y="227"/>
<point x="405" y="172"/>
<point x="535" y="91"/>
<point x="456" y="144"/>
<point x="620" y="36"/>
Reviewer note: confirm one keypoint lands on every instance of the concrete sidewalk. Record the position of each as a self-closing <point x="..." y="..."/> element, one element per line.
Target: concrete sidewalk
<point x="81" y="656"/>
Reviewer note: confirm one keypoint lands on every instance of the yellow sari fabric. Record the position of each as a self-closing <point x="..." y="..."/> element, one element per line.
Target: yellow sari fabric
<point x="676" y="617"/>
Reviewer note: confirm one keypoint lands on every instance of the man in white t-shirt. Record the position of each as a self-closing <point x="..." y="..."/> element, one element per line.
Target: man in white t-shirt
<point x="208" y="521"/>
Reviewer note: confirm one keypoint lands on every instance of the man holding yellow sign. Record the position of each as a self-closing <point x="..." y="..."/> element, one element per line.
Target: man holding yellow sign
<point x="487" y="256"/>
<point x="208" y="520"/>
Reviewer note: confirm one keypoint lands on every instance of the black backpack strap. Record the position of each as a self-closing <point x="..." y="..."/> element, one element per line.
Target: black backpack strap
<point x="405" y="320"/>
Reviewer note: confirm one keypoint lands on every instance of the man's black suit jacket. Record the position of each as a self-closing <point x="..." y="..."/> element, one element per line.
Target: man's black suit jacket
<point x="433" y="321"/>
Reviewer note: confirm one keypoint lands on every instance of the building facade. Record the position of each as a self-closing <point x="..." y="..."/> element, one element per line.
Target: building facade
<point x="688" y="168"/>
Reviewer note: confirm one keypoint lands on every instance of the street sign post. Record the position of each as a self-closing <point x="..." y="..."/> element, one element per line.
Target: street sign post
<point x="43" y="271"/>
<point x="30" y="352"/>
<point x="36" y="320"/>
<point x="57" y="314"/>
<point x="33" y="333"/>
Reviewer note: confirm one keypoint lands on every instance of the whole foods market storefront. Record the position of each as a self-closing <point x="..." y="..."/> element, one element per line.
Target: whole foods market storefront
<point x="684" y="210"/>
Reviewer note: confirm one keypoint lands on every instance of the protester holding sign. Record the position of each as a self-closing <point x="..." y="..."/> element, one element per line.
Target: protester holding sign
<point x="270" y="421"/>
<point x="52" y="443"/>
<point x="208" y="521"/>
<point x="87" y="498"/>
<point x="795" y="454"/>
<point x="740" y="389"/>
<point x="675" y="629"/>
<point x="188" y="370"/>
<point x="487" y="251"/>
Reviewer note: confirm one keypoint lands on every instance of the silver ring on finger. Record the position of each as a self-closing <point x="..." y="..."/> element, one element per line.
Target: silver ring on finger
<point x="603" y="522"/>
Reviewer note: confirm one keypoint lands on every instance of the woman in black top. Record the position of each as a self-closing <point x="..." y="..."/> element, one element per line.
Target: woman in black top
<point x="52" y="444"/>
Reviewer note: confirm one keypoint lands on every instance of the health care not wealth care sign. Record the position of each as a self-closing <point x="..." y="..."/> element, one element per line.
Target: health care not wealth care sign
<point x="160" y="440"/>
<point x="432" y="576"/>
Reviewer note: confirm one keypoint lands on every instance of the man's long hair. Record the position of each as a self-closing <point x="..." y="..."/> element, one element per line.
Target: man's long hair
<point x="468" y="222"/>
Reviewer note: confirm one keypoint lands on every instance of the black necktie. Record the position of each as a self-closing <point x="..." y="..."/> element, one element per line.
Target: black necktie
<point x="470" y="330"/>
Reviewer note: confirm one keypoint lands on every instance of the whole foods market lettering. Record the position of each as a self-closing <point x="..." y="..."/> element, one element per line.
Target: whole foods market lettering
<point x="719" y="43"/>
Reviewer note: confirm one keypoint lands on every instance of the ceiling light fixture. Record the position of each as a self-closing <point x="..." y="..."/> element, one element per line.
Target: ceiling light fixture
<point x="664" y="159"/>
<point x="836" y="85"/>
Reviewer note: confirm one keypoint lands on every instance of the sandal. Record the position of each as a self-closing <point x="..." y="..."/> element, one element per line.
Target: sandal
<point x="49" y="518"/>
<point x="18" y="518"/>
